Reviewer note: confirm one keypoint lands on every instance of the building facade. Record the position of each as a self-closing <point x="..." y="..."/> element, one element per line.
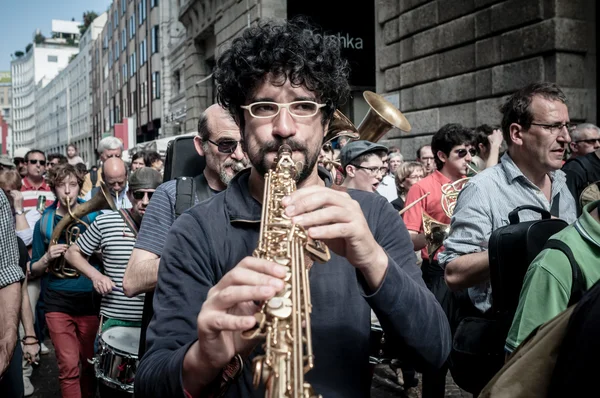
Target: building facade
<point x="39" y="65"/>
<point x="63" y="105"/>
<point x="128" y="70"/>
<point x="5" y="95"/>
<point x="437" y="61"/>
<point x="443" y="62"/>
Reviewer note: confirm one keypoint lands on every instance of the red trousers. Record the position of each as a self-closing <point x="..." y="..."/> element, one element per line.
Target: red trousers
<point x="73" y="338"/>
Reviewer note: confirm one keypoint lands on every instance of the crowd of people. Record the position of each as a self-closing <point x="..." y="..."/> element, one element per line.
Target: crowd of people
<point x="167" y="267"/>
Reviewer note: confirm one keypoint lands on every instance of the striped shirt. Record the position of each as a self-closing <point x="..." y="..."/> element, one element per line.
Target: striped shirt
<point x="110" y="234"/>
<point x="159" y="216"/>
<point x="31" y="194"/>
<point x="483" y="206"/>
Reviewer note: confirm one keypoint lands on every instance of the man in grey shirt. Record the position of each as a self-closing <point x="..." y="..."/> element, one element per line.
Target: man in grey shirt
<point x="218" y="141"/>
<point x="536" y="125"/>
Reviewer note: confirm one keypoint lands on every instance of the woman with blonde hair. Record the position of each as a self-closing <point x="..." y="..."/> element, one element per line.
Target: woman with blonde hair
<point x="406" y="175"/>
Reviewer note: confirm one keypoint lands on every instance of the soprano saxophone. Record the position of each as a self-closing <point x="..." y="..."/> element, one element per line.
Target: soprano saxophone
<point x="284" y="320"/>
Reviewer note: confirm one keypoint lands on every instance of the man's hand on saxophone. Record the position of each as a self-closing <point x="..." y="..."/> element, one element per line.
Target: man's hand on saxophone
<point x="337" y="219"/>
<point x="229" y="310"/>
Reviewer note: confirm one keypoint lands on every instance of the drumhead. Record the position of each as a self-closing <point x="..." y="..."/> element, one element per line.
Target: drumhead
<point x="123" y="338"/>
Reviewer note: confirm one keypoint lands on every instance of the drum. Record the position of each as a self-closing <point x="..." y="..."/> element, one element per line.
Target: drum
<point x="117" y="360"/>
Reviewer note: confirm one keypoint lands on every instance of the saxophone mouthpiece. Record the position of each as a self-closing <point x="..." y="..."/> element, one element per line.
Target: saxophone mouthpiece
<point x="283" y="149"/>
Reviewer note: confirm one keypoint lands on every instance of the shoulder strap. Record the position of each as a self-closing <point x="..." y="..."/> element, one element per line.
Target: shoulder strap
<point x="203" y="191"/>
<point x="578" y="285"/>
<point x="555" y="209"/>
<point x="184" y="194"/>
<point x="131" y="224"/>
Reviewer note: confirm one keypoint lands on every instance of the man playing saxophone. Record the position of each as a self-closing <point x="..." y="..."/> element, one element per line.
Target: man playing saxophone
<point x="282" y="81"/>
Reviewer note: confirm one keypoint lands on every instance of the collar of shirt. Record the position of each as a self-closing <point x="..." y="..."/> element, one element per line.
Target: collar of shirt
<point x="28" y="186"/>
<point x="513" y="173"/>
<point x="440" y="178"/>
<point x="587" y="226"/>
<point x="240" y="206"/>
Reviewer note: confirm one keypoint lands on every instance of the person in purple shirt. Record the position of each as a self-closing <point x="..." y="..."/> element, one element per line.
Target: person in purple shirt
<point x="282" y="82"/>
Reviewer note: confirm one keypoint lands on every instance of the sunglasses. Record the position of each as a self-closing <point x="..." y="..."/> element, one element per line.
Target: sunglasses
<point x="225" y="146"/>
<point x="590" y="141"/>
<point x="327" y="148"/>
<point x="139" y="195"/>
<point x="35" y="161"/>
<point x="463" y="152"/>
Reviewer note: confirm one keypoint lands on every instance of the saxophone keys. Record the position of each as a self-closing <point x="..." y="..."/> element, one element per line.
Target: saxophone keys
<point x="280" y="307"/>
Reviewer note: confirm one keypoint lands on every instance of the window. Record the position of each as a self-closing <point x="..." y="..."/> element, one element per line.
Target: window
<point x="153" y="3"/>
<point x="124" y="72"/>
<point x="133" y="102"/>
<point x="143" y="55"/>
<point x="177" y="81"/>
<point x="154" y="39"/>
<point x="143" y="94"/>
<point x="123" y="7"/>
<point x="52" y="58"/>
<point x="132" y="26"/>
<point x="117" y="50"/>
<point x="123" y="39"/>
<point x="142" y="11"/>
<point x="132" y="64"/>
<point x="156" y="85"/>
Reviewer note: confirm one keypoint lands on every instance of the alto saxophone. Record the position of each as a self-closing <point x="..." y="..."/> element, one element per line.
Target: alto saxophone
<point x="284" y="320"/>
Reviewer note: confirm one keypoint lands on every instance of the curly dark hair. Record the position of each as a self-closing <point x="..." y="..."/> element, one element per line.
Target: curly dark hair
<point x="58" y="173"/>
<point x="449" y="136"/>
<point x="516" y="108"/>
<point x="293" y="50"/>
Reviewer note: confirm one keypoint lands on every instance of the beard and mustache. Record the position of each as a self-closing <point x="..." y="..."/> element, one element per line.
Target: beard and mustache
<point x="235" y="165"/>
<point x="304" y="167"/>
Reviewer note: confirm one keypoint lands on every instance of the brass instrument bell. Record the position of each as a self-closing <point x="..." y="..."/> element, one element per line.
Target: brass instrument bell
<point x="381" y="117"/>
<point x="102" y="200"/>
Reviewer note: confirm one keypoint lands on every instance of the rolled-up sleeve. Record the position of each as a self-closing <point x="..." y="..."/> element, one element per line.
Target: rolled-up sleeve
<point x="402" y="303"/>
<point x="10" y="272"/>
<point x="470" y="227"/>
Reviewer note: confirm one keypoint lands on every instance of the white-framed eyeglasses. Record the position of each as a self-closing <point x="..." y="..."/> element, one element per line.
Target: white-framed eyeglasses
<point x="264" y="109"/>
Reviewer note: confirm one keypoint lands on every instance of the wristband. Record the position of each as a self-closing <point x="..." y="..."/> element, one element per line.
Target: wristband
<point x="29" y="337"/>
<point x="228" y="375"/>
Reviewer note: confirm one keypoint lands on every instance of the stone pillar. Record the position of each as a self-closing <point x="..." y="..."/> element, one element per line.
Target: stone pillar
<point x="195" y="70"/>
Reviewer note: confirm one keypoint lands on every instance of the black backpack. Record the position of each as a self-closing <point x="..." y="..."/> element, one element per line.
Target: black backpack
<point x="187" y="190"/>
<point x="478" y="342"/>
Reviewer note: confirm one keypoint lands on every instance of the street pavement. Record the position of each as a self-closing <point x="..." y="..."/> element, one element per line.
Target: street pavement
<point x="45" y="382"/>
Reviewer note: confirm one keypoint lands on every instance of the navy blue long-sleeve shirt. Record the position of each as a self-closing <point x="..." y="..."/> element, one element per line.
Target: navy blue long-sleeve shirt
<point x="211" y="238"/>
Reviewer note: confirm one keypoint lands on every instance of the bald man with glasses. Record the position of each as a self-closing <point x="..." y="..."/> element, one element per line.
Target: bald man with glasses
<point x="218" y="140"/>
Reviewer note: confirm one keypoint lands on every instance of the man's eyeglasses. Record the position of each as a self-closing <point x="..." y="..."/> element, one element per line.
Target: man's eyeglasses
<point x="463" y="152"/>
<point x="139" y="195"/>
<point x="591" y="141"/>
<point x="373" y="171"/>
<point x="35" y="161"/>
<point x="556" y="127"/>
<point x="19" y="161"/>
<point x="225" y="146"/>
<point x="264" y="110"/>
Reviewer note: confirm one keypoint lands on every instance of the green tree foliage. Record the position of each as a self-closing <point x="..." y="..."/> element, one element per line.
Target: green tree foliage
<point x="88" y="18"/>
